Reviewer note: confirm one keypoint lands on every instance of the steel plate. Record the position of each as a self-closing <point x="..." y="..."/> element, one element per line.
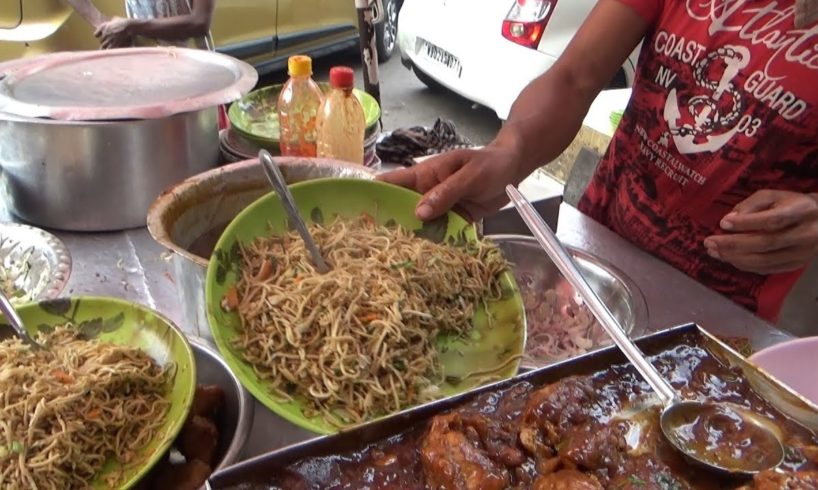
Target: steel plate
<point x="129" y="83"/>
<point x="34" y="264"/>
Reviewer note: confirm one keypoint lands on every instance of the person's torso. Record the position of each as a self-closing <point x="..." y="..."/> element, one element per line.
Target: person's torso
<point x="158" y="9"/>
<point x="724" y="105"/>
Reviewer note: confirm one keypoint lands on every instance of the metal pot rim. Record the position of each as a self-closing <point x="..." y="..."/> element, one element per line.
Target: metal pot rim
<point x="246" y="407"/>
<point x="167" y="200"/>
<point x="14" y="118"/>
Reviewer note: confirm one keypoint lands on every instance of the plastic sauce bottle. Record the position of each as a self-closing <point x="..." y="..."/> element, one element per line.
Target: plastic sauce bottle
<point x="298" y="105"/>
<point x="341" y="120"/>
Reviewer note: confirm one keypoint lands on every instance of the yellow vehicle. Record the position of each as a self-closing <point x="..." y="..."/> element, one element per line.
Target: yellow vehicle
<point x="261" y="32"/>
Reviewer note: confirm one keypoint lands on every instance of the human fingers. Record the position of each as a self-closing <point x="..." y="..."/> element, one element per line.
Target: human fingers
<point x="444" y="196"/>
<point x="424" y="176"/>
<point x="766" y="253"/>
<point x="769" y="211"/>
<point x="722" y="246"/>
<point x="786" y="260"/>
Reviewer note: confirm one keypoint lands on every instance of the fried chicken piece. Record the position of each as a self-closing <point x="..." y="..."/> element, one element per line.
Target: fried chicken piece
<point x="198" y="439"/>
<point x="207" y="400"/>
<point x="567" y="480"/>
<point x="774" y="480"/>
<point x="454" y="458"/>
<point x="595" y="447"/>
<point x="646" y="472"/>
<point x="552" y="411"/>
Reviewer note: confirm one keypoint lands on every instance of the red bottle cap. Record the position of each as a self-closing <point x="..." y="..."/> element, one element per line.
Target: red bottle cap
<point x="342" y="77"/>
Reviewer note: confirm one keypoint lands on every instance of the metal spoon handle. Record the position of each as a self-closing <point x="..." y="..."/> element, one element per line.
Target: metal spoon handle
<point x="14" y="319"/>
<point x="280" y="186"/>
<point x="566" y="265"/>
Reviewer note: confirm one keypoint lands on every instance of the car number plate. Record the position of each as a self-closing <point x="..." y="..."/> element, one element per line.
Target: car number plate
<point x="441" y="56"/>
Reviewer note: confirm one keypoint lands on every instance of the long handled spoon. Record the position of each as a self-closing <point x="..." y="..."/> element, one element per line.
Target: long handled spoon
<point x="700" y="430"/>
<point x="280" y="186"/>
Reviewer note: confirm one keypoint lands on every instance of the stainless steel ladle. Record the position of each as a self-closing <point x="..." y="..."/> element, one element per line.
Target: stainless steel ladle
<point x="15" y="321"/>
<point x="682" y="421"/>
<point x="280" y="186"/>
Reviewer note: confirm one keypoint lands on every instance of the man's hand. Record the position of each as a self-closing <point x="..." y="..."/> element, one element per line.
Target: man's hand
<point x="768" y="233"/>
<point x="471" y="181"/>
<point x="116" y="33"/>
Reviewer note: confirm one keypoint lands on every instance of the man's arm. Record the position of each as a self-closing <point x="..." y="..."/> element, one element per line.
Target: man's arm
<point x="88" y="11"/>
<point x="543" y="121"/>
<point x="195" y="24"/>
<point x="548" y="113"/>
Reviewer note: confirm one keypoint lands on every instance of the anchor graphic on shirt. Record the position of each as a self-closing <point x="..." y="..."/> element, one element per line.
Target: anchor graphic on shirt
<point x="704" y="108"/>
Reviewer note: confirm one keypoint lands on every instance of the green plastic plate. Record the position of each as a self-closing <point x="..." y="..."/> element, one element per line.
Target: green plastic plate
<point x="255" y="118"/>
<point x="491" y="345"/>
<point x="121" y="322"/>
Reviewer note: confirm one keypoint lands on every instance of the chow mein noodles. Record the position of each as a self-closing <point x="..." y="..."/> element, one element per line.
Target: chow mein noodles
<point x="68" y="409"/>
<point x="361" y="340"/>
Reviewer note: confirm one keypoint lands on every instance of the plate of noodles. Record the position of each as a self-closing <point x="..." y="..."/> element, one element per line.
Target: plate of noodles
<point x="101" y="402"/>
<point x="410" y="312"/>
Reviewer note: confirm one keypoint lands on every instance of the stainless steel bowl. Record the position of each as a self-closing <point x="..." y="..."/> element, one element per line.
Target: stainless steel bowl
<point x="619" y="293"/>
<point x="100" y="176"/>
<point x="237" y="417"/>
<point x="189" y="218"/>
<point x="34" y="264"/>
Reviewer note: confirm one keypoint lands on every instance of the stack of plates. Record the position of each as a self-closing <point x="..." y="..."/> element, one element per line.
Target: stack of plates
<point x="236" y="148"/>
<point x="254" y="124"/>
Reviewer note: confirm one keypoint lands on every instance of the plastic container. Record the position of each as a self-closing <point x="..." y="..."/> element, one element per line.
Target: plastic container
<point x="341" y="120"/>
<point x="298" y="105"/>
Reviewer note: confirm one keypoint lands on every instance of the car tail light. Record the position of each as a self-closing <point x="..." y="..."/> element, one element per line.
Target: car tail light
<point x="526" y="21"/>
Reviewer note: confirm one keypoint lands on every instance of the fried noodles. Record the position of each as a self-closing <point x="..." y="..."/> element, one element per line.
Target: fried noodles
<point x="67" y="409"/>
<point x="361" y="340"/>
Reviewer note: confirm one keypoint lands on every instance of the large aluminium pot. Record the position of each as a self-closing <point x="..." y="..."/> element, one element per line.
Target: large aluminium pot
<point x="189" y="218"/>
<point x="100" y="176"/>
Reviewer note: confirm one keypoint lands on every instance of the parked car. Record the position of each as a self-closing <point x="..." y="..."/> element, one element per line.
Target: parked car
<point x="262" y="32"/>
<point x="489" y="50"/>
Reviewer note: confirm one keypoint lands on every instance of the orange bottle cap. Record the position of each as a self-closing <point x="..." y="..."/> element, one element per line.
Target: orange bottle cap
<point x="299" y="66"/>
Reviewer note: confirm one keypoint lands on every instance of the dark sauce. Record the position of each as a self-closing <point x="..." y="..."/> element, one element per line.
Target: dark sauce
<point x="719" y="434"/>
<point x="594" y="414"/>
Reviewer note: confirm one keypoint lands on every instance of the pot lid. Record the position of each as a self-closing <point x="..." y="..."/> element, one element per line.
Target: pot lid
<point x="127" y="83"/>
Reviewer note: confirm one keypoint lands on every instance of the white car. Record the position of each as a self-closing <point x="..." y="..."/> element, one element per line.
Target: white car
<point x="489" y="50"/>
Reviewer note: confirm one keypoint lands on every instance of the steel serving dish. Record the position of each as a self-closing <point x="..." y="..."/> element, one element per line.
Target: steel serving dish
<point x="90" y="138"/>
<point x="236" y="419"/>
<point x="189" y="218"/>
<point x="34" y="264"/>
<point x="100" y="176"/>
<point x="619" y="293"/>
<point x="262" y="468"/>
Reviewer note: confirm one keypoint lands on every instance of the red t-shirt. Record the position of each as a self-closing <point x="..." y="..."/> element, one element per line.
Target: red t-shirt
<point x="724" y="105"/>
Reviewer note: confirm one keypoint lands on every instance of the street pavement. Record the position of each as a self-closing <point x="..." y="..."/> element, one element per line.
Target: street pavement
<point x="407" y="102"/>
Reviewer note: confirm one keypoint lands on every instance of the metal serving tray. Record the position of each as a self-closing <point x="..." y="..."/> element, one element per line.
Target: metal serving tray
<point x="264" y="467"/>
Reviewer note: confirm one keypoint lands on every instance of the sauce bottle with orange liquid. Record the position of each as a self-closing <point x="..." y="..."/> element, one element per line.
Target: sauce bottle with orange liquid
<point x="298" y="105"/>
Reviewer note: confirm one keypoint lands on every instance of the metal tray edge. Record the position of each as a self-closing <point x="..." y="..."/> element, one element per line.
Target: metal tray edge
<point x="266" y="465"/>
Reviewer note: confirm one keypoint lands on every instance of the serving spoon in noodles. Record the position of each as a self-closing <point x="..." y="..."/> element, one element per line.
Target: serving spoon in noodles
<point x="701" y="430"/>
<point x="280" y="185"/>
<point x="16" y="322"/>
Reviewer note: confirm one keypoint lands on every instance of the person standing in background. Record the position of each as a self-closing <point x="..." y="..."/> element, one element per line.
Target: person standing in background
<point x="183" y="23"/>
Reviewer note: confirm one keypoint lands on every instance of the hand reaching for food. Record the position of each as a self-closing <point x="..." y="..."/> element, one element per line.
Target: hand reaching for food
<point x="471" y="181"/>
<point x="770" y="232"/>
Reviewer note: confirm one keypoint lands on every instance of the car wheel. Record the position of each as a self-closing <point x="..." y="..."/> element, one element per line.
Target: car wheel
<point x="430" y="82"/>
<point x="387" y="31"/>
